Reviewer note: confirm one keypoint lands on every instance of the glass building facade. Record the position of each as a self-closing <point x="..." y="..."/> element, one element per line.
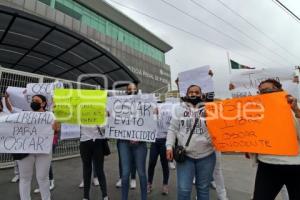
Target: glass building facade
<point x="140" y="50"/>
<point x="105" y="26"/>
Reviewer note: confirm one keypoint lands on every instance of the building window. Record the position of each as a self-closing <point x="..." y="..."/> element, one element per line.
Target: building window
<point x="47" y="2"/>
<point x="68" y="11"/>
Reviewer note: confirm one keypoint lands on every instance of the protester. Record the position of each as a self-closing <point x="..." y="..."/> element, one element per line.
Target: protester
<point x="2" y="113"/>
<point x="92" y="143"/>
<point x="132" y="171"/>
<point x="199" y="157"/>
<point x="172" y="165"/>
<point x="51" y="176"/>
<point x="16" y="178"/>
<point x="41" y="162"/>
<point x="94" y="175"/>
<point x="9" y="107"/>
<point x="133" y="150"/>
<point x="219" y="179"/>
<point x="158" y="148"/>
<point x="276" y="171"/>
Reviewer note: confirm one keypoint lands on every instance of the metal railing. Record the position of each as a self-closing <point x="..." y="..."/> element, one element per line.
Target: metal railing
<point x="8" y="77"/>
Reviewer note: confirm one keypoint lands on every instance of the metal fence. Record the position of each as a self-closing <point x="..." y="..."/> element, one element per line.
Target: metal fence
<point x="8" y="77"/>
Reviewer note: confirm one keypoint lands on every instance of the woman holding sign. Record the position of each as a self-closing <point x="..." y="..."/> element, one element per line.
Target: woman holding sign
<point x="193" y="152"/>
<point x="41" y="162"/>
<point x="138" y="152"/>
<point x="274" y="172"/>
<point x="92" y="143"/>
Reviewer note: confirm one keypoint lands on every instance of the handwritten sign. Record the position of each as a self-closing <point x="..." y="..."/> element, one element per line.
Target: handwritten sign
<point x="45" y="89"/>
<point x="245" y="83"/>
<point x="18" y="98"/>
<point x="26" y="132"/>
<point x="258" y="124"/>
<point x="69" y="131"/>
<point x="85" y="107"/>
<point x="164" y="117"/>
<point x="198" y="76"/>
<point x="132" y="118"/>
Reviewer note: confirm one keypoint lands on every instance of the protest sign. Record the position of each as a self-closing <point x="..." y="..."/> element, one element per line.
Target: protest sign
<point x="132" y="118"/>
<point x="164" y="117"/>
<point x="84" y="107"/>
<point x="18" y="98"/>
<point x="45" y="89"/>
<point x="26" y="132"/>
<point x="69" y="131"/>
<point x="198" y="76"/>
<point x="245" y="83"/>
<point x="257" y="124"/>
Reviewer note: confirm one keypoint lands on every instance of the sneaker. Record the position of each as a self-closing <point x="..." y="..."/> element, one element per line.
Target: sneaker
<point x="119" y="183"/>
<point x="165" y="190"/>
<point x="105" y="198"/>
<point x="95" y="182"/>
<point x="213" y="185"/>
<point x="149" y="188"/>
<point x="81" y="185"/>
<point x="36" y="191"/>
<point x="132" y="184"/>
<point x="52" y="186"/>
<point x="15" y="179"/>
<point x="172" y="165"/>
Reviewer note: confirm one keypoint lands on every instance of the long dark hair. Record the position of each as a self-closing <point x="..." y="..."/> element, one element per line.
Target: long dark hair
<point x="1" y="104"/>
<point x="43" y="98"/>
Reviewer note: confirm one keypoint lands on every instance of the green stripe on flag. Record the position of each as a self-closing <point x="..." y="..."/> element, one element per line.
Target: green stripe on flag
<point x="234" y="65"/>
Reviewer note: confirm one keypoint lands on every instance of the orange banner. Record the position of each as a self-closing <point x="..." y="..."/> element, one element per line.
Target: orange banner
<point x="257" y="124"/>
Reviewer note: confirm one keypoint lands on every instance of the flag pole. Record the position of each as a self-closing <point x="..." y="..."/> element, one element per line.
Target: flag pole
<point x="229" y="63"/>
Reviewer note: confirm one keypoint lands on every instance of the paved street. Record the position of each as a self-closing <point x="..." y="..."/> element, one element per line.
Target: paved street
<point x="238" y="173"/>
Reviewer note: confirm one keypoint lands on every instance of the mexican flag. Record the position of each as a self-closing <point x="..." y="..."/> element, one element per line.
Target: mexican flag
<point x="235" y="65"/>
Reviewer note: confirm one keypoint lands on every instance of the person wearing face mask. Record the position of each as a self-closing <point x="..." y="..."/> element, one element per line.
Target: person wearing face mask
<point x="200" y="158"/>
<point x="273" y="171"/>
<point x="136" y="151"/>
<point x="41" y="162"/>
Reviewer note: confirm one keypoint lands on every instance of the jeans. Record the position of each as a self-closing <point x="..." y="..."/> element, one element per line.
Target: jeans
<point x="138" y="152"/>
<point x="93" y="150"/>
<point x="158" y="149"/>
<point x="133" y="167"/>
<point x="41" y="162"/>
<point x="270" y="178"/>
<point x="202" y="169"/>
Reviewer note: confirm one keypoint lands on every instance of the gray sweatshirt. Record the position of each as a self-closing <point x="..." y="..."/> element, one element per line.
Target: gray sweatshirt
<point x="183" y="119"/>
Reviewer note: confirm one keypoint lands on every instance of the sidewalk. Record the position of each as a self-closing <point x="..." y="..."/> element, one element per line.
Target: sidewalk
<point x="238" y="173"/>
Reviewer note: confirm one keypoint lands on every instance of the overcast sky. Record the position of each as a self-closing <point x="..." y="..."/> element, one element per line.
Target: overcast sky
<point x="269" y="37"/>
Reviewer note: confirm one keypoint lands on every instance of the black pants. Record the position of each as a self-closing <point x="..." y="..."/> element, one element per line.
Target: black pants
<point x="89" y="151"/>
<point x="271" y="178"/>
<point x="51" y="177"/>
<point x="158" y="149"/>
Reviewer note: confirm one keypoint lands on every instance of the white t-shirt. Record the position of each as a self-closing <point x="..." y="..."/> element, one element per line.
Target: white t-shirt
<point x="91" y="133"/>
